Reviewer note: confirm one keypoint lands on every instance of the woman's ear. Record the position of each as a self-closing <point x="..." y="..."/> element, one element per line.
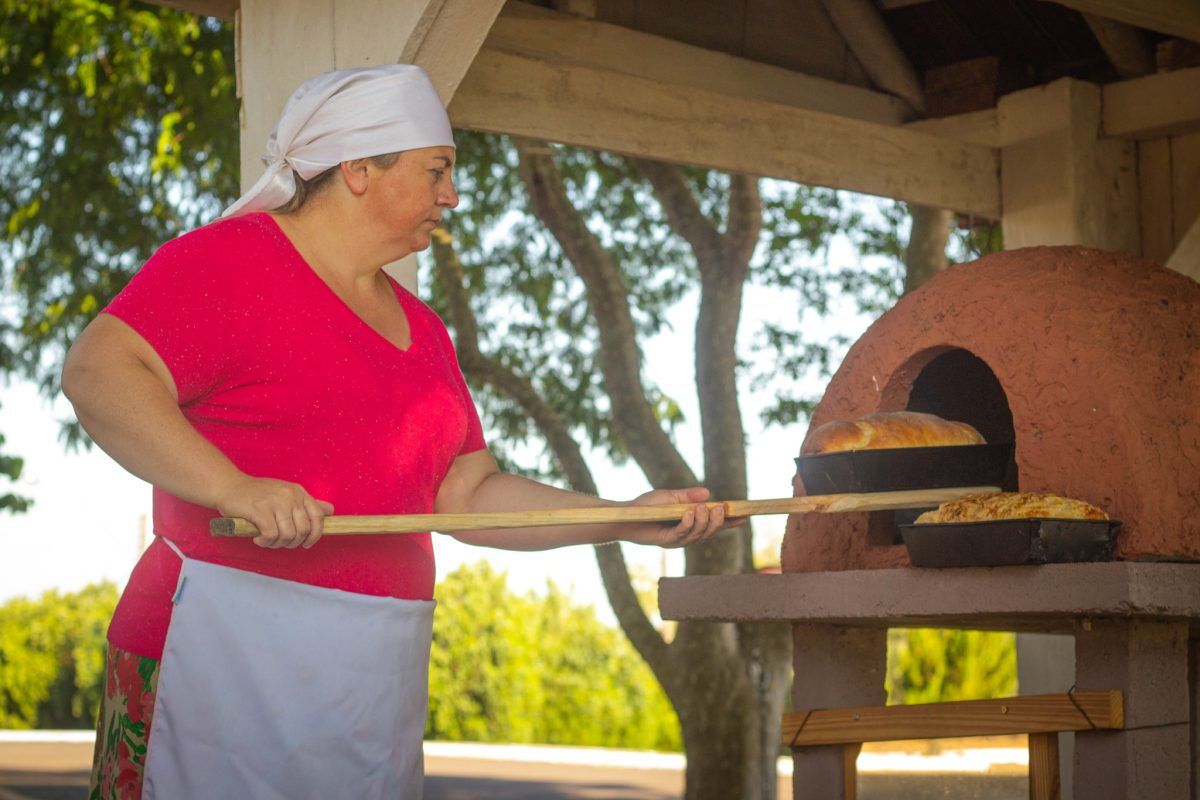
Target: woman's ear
<point x="354" y="173"/>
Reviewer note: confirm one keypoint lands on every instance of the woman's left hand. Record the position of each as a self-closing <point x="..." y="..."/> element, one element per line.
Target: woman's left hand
<point x="698" y="523"/>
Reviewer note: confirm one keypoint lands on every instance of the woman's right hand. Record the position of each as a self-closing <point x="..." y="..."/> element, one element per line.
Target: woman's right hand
<point x="284" y="513"/>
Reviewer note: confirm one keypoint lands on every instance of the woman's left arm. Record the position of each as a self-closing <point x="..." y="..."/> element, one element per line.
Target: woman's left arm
<point x="476" y="484"/>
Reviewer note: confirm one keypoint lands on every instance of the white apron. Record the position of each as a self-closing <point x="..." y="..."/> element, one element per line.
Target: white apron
<point x="274" y="689"/>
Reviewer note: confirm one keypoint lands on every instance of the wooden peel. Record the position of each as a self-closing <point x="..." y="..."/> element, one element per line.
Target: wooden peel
<point x="415" y="523"/>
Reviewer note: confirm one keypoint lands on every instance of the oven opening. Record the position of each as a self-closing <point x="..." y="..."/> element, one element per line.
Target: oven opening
<point x="955" y="385"/>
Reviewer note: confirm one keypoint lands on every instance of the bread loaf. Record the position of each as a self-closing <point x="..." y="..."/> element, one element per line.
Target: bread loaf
<point x="887" y="431"/>
<point x="1011" y="505"/>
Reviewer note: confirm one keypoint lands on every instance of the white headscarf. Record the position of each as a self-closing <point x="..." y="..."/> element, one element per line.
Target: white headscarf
<point x="343" y="115"/>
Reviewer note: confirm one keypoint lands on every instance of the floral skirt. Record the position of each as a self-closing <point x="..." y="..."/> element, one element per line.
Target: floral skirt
<point x="123" y="729"/>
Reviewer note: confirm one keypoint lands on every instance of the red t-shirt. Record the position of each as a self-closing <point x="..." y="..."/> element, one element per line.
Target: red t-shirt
<point x="289" y="383"/>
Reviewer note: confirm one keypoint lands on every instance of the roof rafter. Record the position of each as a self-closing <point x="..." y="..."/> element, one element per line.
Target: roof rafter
<point x="1173" y="17"/>
<point x="591" y="107"/>
<point x="1186" y="257"/>
<point x="862" y="26"/>
<point x="533" y="31"/>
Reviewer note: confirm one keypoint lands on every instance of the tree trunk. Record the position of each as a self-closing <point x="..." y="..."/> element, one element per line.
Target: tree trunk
<point x="925" y="255"/>
<point x="727" y="683"/>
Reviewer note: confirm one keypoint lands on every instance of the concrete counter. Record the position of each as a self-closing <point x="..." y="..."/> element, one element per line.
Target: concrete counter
<point x="1049" y="599"/>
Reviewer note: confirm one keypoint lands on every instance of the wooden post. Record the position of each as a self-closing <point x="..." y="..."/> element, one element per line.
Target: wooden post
<point x="835" y="667"/>
<point x="850" y="771"/>
<point x="1043" y="767"/>
<point x="1061" y="183"/>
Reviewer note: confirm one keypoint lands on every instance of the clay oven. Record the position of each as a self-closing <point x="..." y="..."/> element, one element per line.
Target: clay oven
<point x="1087" y="361"/>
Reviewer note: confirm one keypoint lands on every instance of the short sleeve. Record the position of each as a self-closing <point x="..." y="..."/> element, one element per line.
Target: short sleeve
<point x="181" y="303"/>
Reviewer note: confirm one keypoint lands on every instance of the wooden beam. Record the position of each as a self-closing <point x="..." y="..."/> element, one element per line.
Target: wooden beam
<point x="1155" y="200"/>
<point x="578" y="8"/>
<point x="1186" y="257"/>
<point x="454" y="37"/>
<point x="1173" y="17"/>
<point x="590" y="107"/>
<point x="873" y="45"/>
<point x="1153" y="106"/>
<point x="559" y="38"/>
<point x="1175" y="54"/>
<point x="978" y="127"/>
<point x="366" y="33"/>
<point x="1045" y="713"/>
<point x="850" y="753"/>
<point x="1185" y="185"/>
<point x="892" y="5"/>
<point x="223" y="9"/>
<point x="1127" y="48"/>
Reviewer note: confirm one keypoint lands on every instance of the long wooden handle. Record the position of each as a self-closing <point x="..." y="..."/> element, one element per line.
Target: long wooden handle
<point x="414" y="523"/>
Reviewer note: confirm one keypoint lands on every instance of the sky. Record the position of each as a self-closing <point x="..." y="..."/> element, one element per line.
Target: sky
<point x="88" y="514"/>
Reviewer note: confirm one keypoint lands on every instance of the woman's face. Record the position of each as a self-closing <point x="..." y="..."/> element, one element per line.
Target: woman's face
<point x="412" y="195"/>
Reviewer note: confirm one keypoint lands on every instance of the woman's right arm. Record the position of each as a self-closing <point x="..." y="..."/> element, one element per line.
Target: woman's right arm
<point x="126" y="399"/>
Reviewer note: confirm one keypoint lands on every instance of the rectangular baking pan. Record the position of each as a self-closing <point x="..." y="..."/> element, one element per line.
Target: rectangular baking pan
<point x="1010" y="541"/>
<point x="905" y="468"/>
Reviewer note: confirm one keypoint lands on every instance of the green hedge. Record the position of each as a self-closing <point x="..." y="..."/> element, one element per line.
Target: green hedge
<point x="504" y="667"/>
<point x="52" y="658"/>
<point x="930" y="666"/>
<point x="511" y="668"/>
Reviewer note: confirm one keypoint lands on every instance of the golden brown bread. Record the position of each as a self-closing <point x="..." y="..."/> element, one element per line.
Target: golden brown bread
<point x="887" y="431"/>
<point x="1011" y="505"/>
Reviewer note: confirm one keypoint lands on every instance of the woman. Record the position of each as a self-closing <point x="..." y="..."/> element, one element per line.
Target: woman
<point x="265" y="367"/>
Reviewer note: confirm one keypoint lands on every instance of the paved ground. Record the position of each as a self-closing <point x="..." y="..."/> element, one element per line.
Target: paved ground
<point x="58" y="771"/>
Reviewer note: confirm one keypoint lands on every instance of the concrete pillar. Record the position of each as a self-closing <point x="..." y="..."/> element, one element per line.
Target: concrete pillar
<point x="1151" y="757"/>
<point x="836" y="667"/>
<point x="1046" y="665"/>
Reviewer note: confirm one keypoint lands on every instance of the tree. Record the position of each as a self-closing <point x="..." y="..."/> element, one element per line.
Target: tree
<point x="507" y="668"/>
<point x="119" y="133"/>
<point x="931" y="666"/>
<point x="597" y="248"/>
<point x="10" y="468"/>
<point x="52" y="658"/>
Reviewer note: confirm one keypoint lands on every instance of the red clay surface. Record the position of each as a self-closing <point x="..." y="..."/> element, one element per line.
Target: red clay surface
<point x="1099" y="356"/>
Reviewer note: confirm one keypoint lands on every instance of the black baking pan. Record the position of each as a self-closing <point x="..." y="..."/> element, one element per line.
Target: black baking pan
<point x="1009" y="541"/>
<point x="904" y="468"/>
